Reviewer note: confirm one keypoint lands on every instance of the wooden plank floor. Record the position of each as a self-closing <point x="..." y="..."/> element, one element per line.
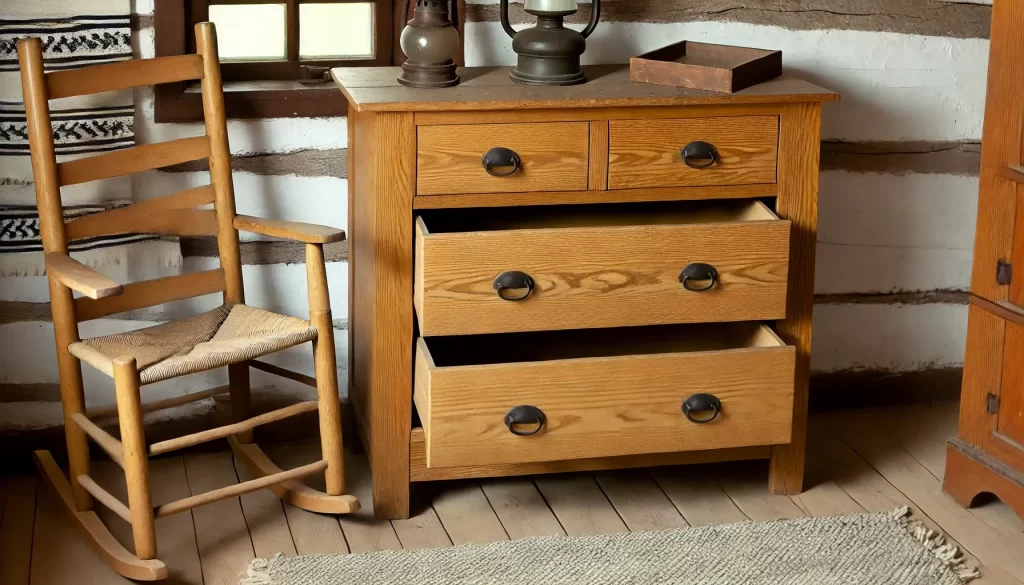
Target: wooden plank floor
<point x="859" y="461"/>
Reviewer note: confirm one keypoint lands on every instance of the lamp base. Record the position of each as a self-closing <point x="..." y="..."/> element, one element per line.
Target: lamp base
<point x="429" y="75"/>
<point x="561" y="70"/>
<point x="528" y="79"/>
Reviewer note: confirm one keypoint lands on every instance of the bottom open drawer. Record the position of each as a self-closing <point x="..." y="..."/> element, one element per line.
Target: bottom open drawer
<point x="527" y="397"/>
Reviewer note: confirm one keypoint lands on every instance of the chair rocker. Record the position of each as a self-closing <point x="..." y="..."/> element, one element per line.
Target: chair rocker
<point x="233" y="335"/>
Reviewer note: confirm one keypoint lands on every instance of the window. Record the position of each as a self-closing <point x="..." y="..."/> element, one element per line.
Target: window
<point x="271" y="49"/>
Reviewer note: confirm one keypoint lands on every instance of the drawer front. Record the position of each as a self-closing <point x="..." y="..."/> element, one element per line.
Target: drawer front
<point x="649" y="153"/>
<point x="553" y="157"/>
<point x="603" y="407"/>
<point x="591" y="277"/>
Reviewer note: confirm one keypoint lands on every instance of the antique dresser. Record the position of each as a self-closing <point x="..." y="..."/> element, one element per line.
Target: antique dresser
<point x="549" y="279"/>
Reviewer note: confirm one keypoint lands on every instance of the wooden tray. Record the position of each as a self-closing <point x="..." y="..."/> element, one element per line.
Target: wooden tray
<point x="721" y="68"/>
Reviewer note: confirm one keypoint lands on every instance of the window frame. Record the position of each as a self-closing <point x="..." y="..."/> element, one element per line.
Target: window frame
<point x="277" y="93"/>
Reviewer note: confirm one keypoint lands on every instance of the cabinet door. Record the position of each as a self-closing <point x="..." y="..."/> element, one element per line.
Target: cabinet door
<point x="1017" y="255"/>
<point x="1011" y="400"/>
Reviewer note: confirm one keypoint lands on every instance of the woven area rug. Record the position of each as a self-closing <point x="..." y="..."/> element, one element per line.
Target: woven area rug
<point x="886" y="548"/>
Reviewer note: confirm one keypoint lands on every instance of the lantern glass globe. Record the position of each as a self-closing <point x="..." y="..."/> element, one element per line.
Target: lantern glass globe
<point x="562" y="6"/>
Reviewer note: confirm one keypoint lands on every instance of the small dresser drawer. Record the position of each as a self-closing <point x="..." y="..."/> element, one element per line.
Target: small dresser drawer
<point x="741" y="150"/>
<point x="528" y="397"/>
<point x="572" y="267"/>
<point x="526" y="157"/>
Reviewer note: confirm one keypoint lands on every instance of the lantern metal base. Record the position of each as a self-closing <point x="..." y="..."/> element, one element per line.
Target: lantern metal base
<point x="545" y="70"/>
<point x="524" y="78"/>
<point x="428" y="75"/>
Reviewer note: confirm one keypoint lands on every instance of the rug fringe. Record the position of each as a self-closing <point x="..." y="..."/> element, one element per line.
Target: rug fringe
<point x="258" y="572"/>
<point x="948" y="554"/>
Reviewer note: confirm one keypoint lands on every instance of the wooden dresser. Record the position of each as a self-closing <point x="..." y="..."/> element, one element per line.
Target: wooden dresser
<point x="552" y="279"/>
<point x="988" y="454"/>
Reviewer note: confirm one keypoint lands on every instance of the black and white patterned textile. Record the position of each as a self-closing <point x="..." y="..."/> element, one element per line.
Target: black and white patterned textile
<point x="73" y="33"/>
<point x="19" y="229"/>
<point x="71" y="42"/>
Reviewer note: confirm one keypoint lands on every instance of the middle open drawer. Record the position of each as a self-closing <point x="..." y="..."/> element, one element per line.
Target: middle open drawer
<point x="570" y="267"/>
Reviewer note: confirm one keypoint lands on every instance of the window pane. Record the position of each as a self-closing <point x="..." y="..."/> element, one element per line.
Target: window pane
<point x="336" y="31"/>
<point x="247" y="32"/>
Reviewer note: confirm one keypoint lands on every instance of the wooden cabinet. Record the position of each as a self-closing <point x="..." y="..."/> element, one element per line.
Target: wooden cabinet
<point x="988" y="454"/>
<point x="633" y="289"/>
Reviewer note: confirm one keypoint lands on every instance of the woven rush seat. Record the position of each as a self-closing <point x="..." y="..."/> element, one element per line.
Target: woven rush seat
<point x="229" y="334"/>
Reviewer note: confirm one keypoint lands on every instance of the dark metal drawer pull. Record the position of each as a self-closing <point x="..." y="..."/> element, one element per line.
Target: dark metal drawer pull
<point x="525" y="415"/>
<point x="513" y="280"/>
<point x="698" y="272"/>
<point x="699" y="155"/>
<point x="499" y="158"/>
<point x="702" y="403"/>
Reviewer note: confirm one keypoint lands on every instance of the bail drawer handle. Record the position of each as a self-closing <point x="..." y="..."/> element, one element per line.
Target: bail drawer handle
<point x="513" y="280"/>
<point x="501" y="158"/>
<point x="525" y="415"/>
<point x="697" y="272"/>
<point x="699" y="155"/>
<point x="702" y="403"/>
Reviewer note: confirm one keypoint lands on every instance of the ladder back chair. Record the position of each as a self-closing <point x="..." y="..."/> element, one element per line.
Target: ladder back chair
<point x="232" y="335"/>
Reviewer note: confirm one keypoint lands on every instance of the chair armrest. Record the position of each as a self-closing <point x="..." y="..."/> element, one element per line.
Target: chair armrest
<point x="79" y="277"/>
<point x="291" y="230"/>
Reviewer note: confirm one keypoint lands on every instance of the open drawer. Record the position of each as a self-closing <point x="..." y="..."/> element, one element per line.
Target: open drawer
<point x="531" y="397"/>
<point x="571" y="267"/>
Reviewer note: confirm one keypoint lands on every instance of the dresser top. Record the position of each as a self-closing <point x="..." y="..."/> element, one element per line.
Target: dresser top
<point x="377" y="89"/>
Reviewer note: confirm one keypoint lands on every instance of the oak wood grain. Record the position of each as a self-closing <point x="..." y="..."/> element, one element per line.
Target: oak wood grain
<point x="124" y="75"/>
<point x="799" y="156"/>
<point x="554" y="158"/>
<point x="647" y="153"/>
<point x="148" y="293"/>
<point x="651" y="194"/>
<point x="166" y="215"/>
<point x="1003" y="132"/>
<point x="144" y="157"/>
<point x="382" y="337"/>
<point x="598" y="155"/>
<point x="590" y="275"/>
<point x="1011" y="393"/>
<point x="79" y="277"/>
<point x="489" y="88"/>
<point x="603" y="407"/>
<point x="292" y="230"/>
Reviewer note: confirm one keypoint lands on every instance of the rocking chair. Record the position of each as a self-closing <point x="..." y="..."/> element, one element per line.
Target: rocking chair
<point x="233" y="335"/>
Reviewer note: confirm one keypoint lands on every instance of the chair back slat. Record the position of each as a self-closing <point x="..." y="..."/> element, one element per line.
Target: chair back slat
<point x="173" y="215"/>
<point x="148" y="293"/>
<point x="136" y="159"/>
<point x="123" y="75"/>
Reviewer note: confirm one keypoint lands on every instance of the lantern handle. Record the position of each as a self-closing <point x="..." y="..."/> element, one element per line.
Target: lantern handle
<point x="405" y="12"/>
<point x="503" y="16"/>
<point x="595" y="16"/>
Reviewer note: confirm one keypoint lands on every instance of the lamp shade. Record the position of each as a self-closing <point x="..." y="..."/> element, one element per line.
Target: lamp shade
<point x="551" y="5"/>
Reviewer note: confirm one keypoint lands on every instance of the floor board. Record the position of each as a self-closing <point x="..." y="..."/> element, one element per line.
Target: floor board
<point x="871" y="460"/>
<point x="700" y="500"/>
<point x="580" y="505"/>
<point x="520" y="508"/>
<point x="225" y="547"/>
<point x="870" y="439"/>
<point x="16" y="527"/>
<point x="467" y="516"/>
<point x="640" y="502"/>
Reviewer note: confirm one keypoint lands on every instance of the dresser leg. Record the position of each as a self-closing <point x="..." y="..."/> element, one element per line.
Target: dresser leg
<point x="799" y="152"/>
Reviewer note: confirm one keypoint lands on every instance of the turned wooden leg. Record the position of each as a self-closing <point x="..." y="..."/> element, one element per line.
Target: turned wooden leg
<point x="136" y="462"/>
<point x="325" y="364"/>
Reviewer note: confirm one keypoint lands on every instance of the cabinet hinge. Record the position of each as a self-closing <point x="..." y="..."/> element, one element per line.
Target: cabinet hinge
<point x="992" y="405"/>
<point x="1004" y="272"/>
